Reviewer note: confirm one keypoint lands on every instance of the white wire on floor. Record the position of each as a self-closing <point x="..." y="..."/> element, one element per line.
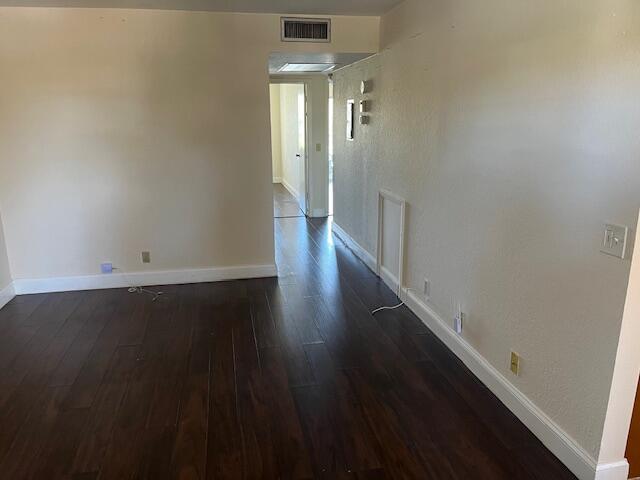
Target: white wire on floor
<point x="138" y="289"/>
<point x="155" y="295"/>
<point x="387" y="308"/>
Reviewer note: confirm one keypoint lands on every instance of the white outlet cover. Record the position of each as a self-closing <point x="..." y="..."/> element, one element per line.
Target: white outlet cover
<point x="458" y="325"/>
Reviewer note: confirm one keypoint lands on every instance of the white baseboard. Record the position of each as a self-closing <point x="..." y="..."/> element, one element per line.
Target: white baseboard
<point x="289" y="187"/>
<point x="360" y="251"/>
<point x="389" y="279"/>
<point x="560" y="443"/>
<point x="277" y="180"/>
<point x="578" y="460"/>
<point x="121" y="280"/>
<point x="613" y="471"/>
<point x="7" y="294"/>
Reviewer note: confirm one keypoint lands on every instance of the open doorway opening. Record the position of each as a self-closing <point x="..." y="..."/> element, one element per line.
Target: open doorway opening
<point x="330" y="148"/>
<point x="289" y="149"/>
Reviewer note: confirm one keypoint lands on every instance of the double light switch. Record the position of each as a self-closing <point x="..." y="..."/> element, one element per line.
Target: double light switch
<point x="614" y="241"/>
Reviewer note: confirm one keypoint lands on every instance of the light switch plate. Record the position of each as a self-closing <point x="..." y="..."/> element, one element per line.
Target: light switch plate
<point x="614" y="241"/>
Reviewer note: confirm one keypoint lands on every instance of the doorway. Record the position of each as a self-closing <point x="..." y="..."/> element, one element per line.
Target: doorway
<point x="330" y="148"/>
<point x="289" y="149"/>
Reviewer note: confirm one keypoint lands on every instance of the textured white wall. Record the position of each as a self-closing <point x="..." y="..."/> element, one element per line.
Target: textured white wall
<point x="131" y="130"/>
<point x="511" y="128"/>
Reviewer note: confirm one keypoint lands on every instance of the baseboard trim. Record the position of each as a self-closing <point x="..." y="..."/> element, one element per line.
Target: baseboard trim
<point x="7" y="294"/>
<point x="613" y="471"/>
<point x="290" y="188"/>
<point x="277" y="180"/>
<point x="319" y="213"/>
<point x="360" y="251"/>
<point x="560" y="443"/>
<point x="121" y="280"/>
<point x="578" y="460"/>
<point x="390" y="280"/>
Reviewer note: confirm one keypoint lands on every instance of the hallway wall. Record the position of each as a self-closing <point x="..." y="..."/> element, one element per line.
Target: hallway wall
<point x="511" y="129"/>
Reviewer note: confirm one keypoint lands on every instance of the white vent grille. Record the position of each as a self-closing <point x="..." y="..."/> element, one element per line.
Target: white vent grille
<point x="306" y="30"/>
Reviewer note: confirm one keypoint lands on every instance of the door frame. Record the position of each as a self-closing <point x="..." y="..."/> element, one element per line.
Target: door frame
<point x="624" y="384"/>
<point x="294" y="80"/>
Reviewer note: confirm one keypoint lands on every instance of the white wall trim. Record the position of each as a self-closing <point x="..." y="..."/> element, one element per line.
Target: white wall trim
<point x="319" y="213"/>
<point x="121" y="280"/>
<point x="392" y="282"/>
<point x="7" y="294"/>
<point x="360" y="252"/>
<point x="560" y="443"/>
<point x="389" y="279"/>
<point x="291" y="190"/>
<point x="277" y="179"/>
<point x="578" y="460"/>
<point x="613" y="471"/>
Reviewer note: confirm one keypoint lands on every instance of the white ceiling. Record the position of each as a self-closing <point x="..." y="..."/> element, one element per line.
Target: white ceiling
<point x="299" y="7"/>
<point x="278" y="60"/>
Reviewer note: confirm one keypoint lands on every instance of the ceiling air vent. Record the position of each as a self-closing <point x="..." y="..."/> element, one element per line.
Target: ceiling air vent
<point x="306" y="30"/>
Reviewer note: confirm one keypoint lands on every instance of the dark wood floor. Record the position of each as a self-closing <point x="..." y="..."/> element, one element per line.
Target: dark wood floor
<point x="276" y="378"/>
<point x="285" y="205"/>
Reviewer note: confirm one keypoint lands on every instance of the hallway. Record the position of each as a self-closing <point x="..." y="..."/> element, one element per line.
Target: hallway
<point x="268" y="378"/>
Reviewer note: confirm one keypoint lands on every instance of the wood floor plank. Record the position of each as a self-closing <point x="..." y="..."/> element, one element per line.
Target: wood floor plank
<point x="343" y="412"/>
<point x="30" y="440"/>
<point x="97" y="431"/>
<point x="127" y="441"/>
<point x="224" y="439"/>
<point x="188" y="456"/>
<point x="258" y="459"/>
<point x="290" y="450"/>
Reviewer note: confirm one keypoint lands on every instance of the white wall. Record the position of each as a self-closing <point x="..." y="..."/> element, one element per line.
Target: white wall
<point x="276" y="133"/>
<point x="318" y="105"/>
<point x="131" y="130"/>
<point x="511" y="128"/>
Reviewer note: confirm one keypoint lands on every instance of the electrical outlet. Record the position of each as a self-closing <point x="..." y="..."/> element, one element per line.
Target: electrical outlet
<point x="146" y="257"/>
<point x="515" y="363"/>
<point x="459" y="320"/>
<point x="427" y="288"/>
<point x="106" y="267"/>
